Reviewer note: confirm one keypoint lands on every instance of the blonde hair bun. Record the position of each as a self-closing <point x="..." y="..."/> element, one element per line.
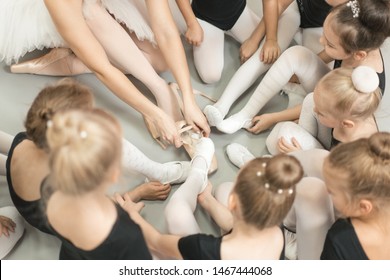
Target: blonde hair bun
<point x="365" y="79"/>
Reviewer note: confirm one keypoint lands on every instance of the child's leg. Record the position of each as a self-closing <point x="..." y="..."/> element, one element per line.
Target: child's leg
<point x="135" y="160"/>
<point x="296" y="60"/>
<point x="309" y="122"/>
<point x="250" y="71"/>
<point x="179" y="212"/>
<point x="209" y="56"/>
<point x="223" y="191"/>
<point x="5" y="145"/>
<point x="311" y="215"/>
<point x="311" y="161"/>
<point x="7" y="243"/>
<point x="288" y="130"/>
<point x="124" y="53"/>
<point x="244" y="26"/>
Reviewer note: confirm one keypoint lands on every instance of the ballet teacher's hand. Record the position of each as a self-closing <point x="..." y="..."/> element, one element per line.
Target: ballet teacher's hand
<point x="166" y="128"/>
<point x="285" y="147"/>
<point x="195" y="117"/>
<point x="270" y="51"/>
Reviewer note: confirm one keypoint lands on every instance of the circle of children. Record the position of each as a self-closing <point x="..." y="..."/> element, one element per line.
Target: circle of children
<point x="325" y="187"/>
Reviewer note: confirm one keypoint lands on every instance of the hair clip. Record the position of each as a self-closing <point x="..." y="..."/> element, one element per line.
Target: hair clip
<point x="354" y="4"/>
<point x="266" y="185"/>
<point x="258" y="173"/>
<point x="280" y="191"/>
<point x="83" y="134"/>
<point x="290" y="191"/>
<point x="49" y="123"/>
<point x="264" y="164"/>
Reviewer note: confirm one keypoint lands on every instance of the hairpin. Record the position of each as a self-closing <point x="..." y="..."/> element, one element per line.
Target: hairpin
<point x="258" y="173"/>
<point x="83" y="134"/>
<point x="49" y="123"/>
<point x="354" y="4"/>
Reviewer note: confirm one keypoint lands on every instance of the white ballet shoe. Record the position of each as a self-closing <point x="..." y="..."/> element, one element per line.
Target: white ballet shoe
<point x="234" y="123"/>
<point x="213" y="115"/>
<point x="175" y="178"/>
<point x="238" y="154"/>
<point x="204" y="149"/>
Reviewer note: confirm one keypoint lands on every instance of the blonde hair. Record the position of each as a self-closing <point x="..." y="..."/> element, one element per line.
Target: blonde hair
<point x="366" y="164"/>
<point x="65" y="94"/>
<point x="266" y="189"/>
<point x="345" y="98"/>
<point x="84" y="146"/>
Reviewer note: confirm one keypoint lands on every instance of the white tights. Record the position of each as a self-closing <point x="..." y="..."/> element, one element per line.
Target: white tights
<point x="209" y="56"/>
<point x="250" y="71"/>
<point x="135" y="160"/>
<point x="296" y="60"/>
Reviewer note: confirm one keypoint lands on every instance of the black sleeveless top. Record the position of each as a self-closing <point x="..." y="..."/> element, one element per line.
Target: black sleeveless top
<point x="220" y="13"/>
<point x="313" y="12"/>
<point x="204" y="247"/>
<point x="124" y="242"/>
<point x="31" y="211"/>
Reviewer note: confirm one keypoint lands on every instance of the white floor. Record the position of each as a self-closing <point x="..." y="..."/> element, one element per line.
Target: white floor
<point x="18" y="90"/>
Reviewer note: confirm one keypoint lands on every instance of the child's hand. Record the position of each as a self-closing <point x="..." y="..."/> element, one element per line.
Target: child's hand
<point x="247" y="49"/>
<point x="127" y="204"/>
<point x="194" y="34"/>
<point x="6" y="226"/>
<point x="270" y="51"/>
<point x="261" y="123"/>
<point x="285" y="147"/>
<point x="150" y="191"/>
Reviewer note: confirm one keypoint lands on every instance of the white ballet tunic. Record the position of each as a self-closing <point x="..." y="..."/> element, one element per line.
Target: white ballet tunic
<point x="26" y="25"/>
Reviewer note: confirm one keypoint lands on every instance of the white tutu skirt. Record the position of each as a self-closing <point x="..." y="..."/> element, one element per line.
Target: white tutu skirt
<point x="26" y="25"/>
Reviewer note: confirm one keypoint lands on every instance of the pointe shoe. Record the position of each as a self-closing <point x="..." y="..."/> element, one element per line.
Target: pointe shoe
<point x="238" y="154"/>
<point x="204" y="149"/>
<point x="53" y="63"/>
<point x="190" y="140"/>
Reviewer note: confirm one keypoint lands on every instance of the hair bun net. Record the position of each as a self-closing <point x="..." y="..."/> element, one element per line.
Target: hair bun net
<point x="365" y="79"/>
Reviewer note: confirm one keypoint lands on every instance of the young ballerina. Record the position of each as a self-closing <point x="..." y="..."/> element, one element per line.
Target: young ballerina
<point x="108" y="51"/>
<point x="24" y="180"/>
<point x="341" y="109"/>
<point x="84" y="161"/>
<point x="258" y="52"/>
<point x="262" y="195"/>
<point x="357" y="178"/>
<point x="207" y="23"/>
<point x="351" y="36"/>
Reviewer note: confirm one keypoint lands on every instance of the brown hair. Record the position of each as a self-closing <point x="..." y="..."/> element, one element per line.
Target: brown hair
<point x="266" y="189"/>
<point x="344" y="96"/>
<point x="368" y="30"/>
<point x="366" y="163"/>
<point x="65" y="94"/>
<point x="84" y="146"/>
